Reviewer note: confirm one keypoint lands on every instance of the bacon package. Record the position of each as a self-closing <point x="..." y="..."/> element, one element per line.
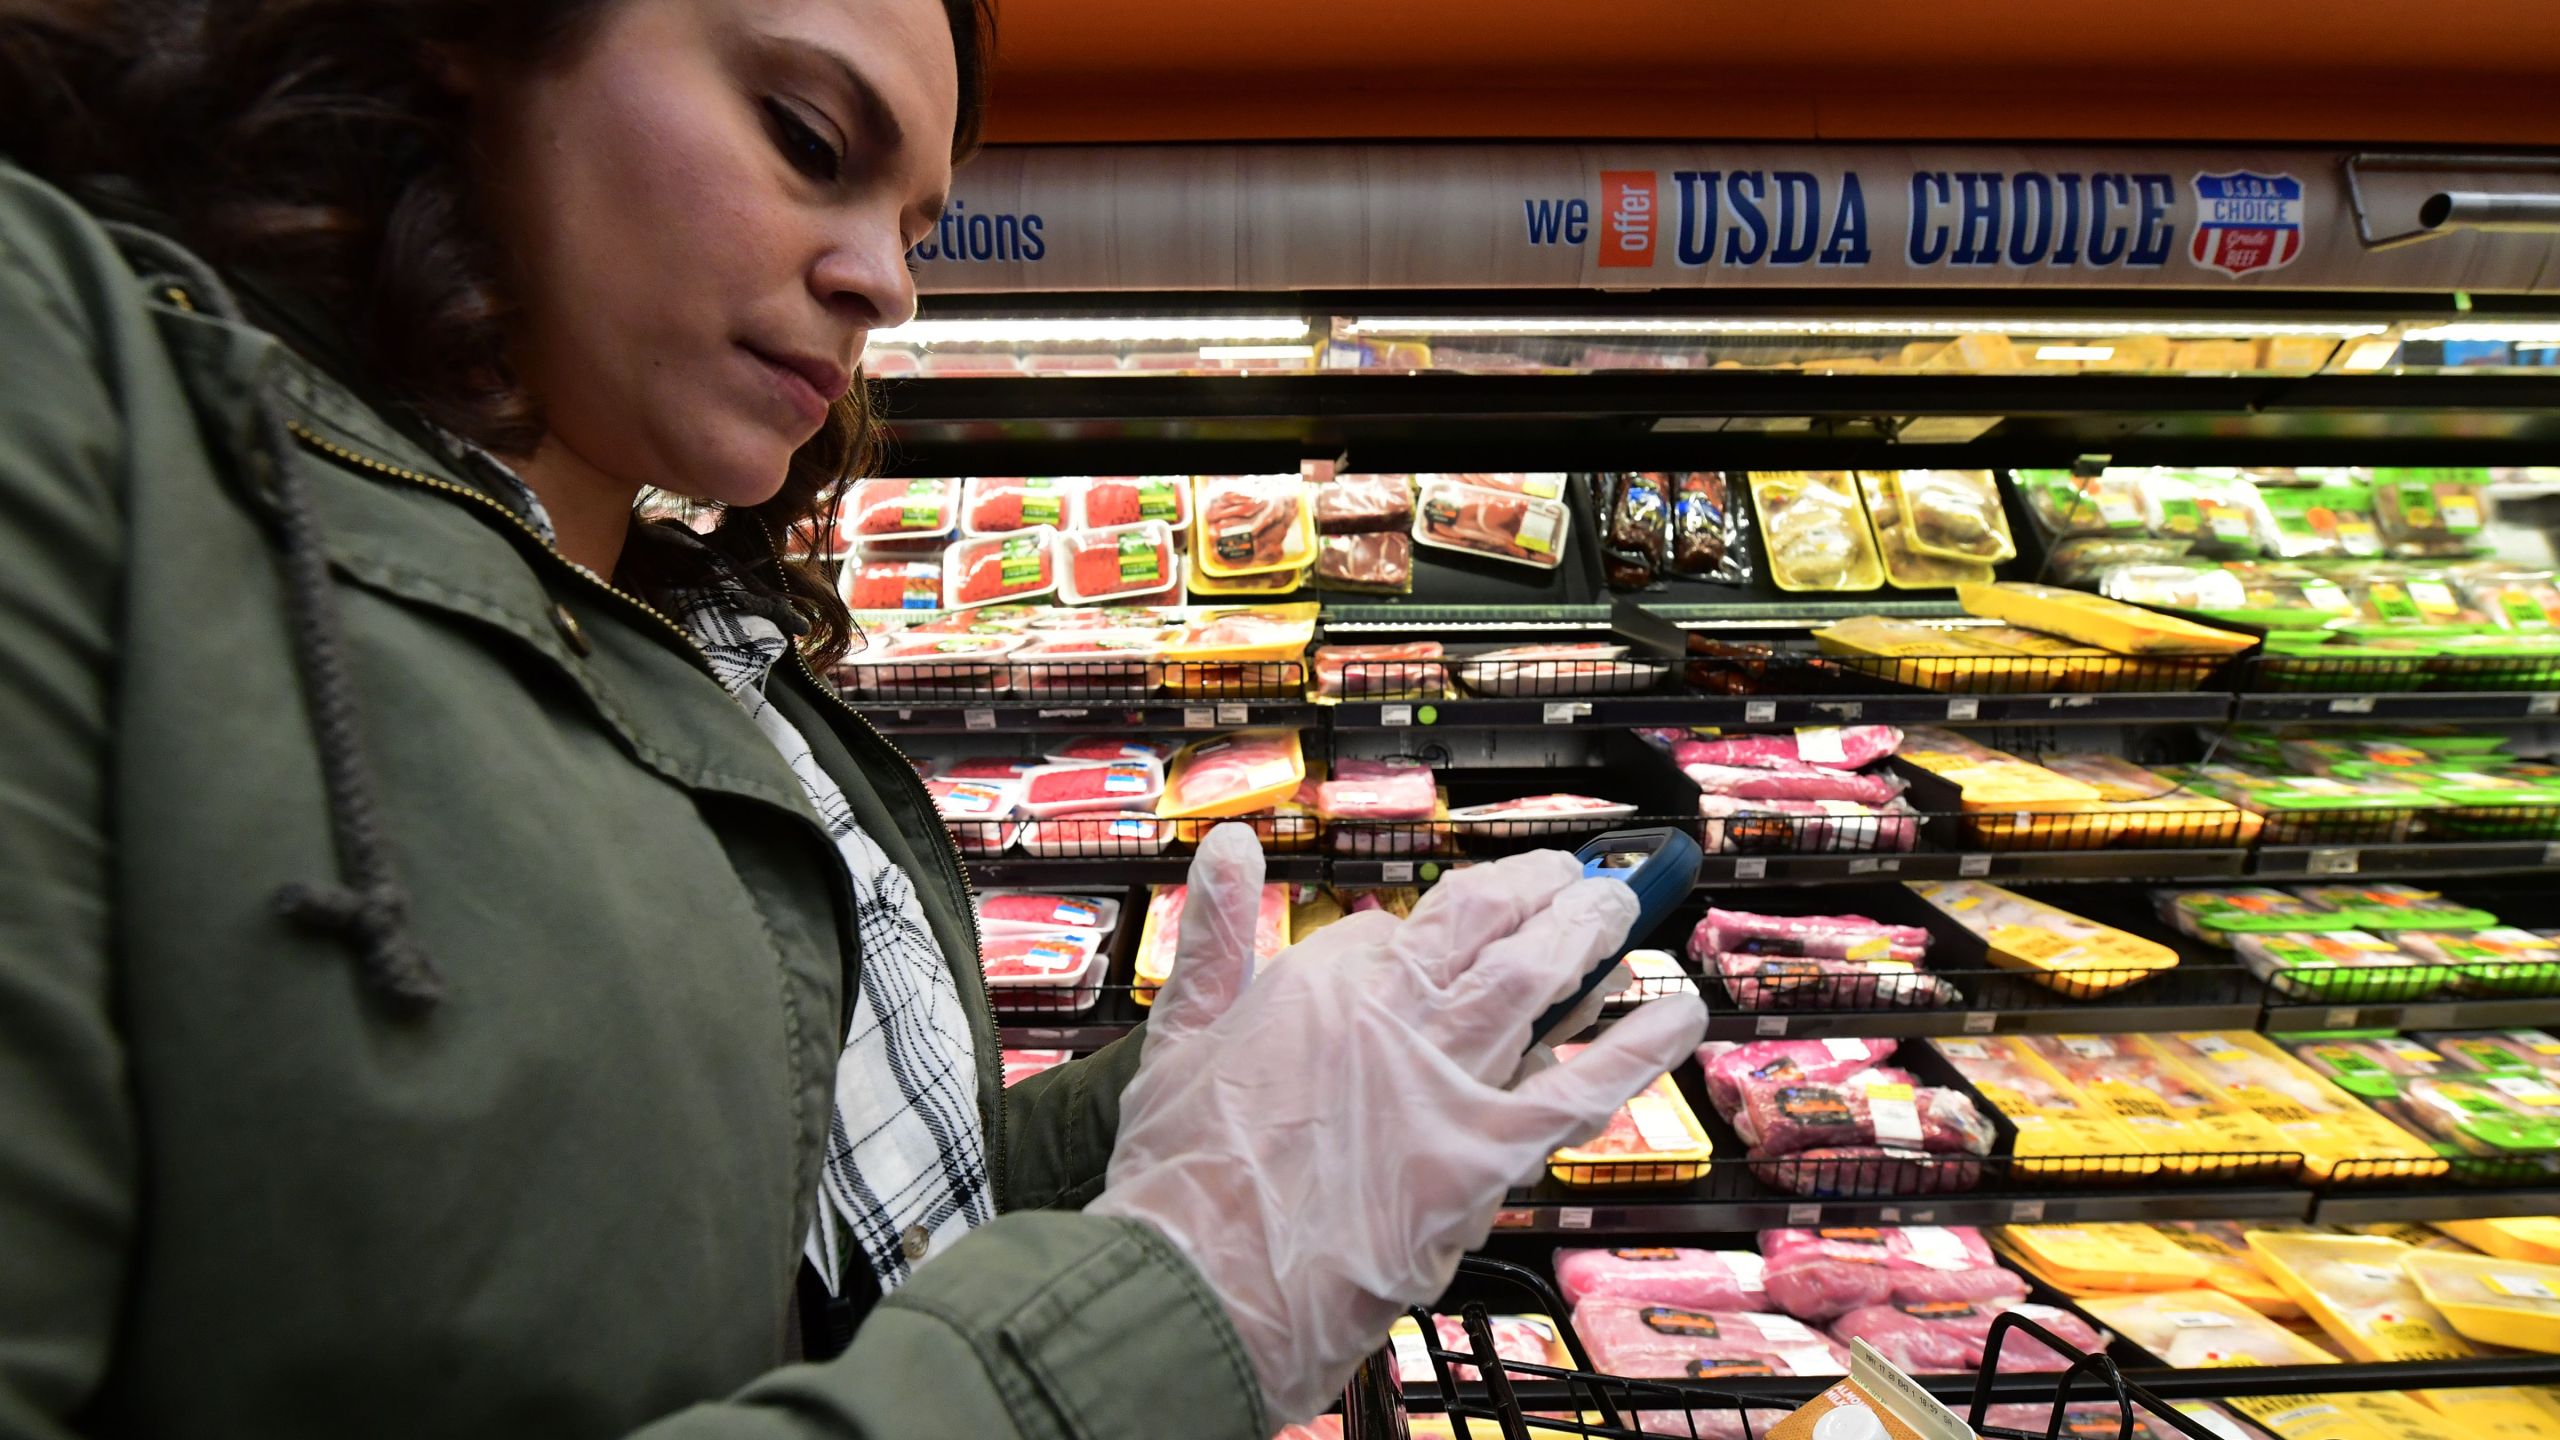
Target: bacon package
<point x="1787" y="780"/>
<point x="893" y="585"/>
<point x="1778" y="1116"/>
<point x="1108" y="500"/>
<point x="1726" y="1064"/>
<point x="1662" y="1275"/>
<point x="1806" y="827"/>
<point x="1838" y="747"/>
<point x="1839" y="937"/>
<point x="902" y="507"/>
<point x="1127" y="562"/>
<point x="1522" y="529"/>
<point x="1000" y="505"/>
<point x="1359" y="672"/>
<point x="1649" y="1341"/>
<point x="996" y="568"/>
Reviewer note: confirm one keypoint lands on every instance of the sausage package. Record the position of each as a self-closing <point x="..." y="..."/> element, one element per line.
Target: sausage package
<point x="1636" y="540"/>
<point x="1522" y="529"/>
<point x="1710" y="538"/>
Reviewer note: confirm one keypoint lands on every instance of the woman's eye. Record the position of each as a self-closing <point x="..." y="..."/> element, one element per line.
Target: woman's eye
<point x="800" y="143"/>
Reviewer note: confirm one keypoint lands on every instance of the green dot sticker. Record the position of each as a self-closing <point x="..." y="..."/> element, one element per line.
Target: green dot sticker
<point x="1427" y="715"/>
<point x="1429" y="870"/>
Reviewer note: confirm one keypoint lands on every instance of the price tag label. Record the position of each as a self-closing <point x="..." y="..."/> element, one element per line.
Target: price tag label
<point x="1514" y="1219"/>
<point x="1574" y="1217"/>
<point x="1804" y="1215"/>
<point x="2334" y="861"/>
<point x="2551" y="853"/>
<point x="2344" y="1019"/>
<point x="1395" y="716"/>
<point x="1751" y="867"/>
<point x="1844" y="709"/>
<point x="1889" y="1214"/>
<point x="2026" y="1212"/>
<point x="1972" y="865"/>
<point x="1236" y="713"/>
<point x="1769" y="1026"/>
<point x="1980" y="1022"/>
<point x="1759" y="712"/>
<point x="2069" y="702"/>
<point x="1395" y="872"/>
<point x="2351" y="705"/>
<point x="1865" y="865"/>
<point x="1964" y="707"/>
<point x="1924" y="1217"/>
<point x="2543" y="705"/>
<point x="1565" y="712"/>
<point x="977" y="719"/>
<point x="1199" y="717"/>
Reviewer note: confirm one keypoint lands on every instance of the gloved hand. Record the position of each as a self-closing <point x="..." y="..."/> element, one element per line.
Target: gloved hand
<point x="1324" y="1141"/>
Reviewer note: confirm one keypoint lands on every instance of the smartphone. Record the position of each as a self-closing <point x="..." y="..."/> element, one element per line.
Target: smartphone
<point x="1661" y="866"/>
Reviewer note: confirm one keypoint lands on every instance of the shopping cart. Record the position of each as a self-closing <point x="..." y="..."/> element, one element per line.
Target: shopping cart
<point x="1514" y="1400"/>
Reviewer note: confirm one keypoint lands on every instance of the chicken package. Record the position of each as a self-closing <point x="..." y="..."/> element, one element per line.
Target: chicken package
<point x="1108" y="500"/>
<point x="1000" y="505"/>
<point x="2054" y="1120"/>
<point x="1522" y="529"/>
<point x="902" y="507"/>
<point x="1364" y="504"/>
<point x="1779" y="1116"/>
<point x="1129" y="562"/>
<point x="1789" y="781"/>
<point x="1252" y="524"/>
<point x="1010" y="912"/>
<point x="1158" y="945"/>
<point x="1807" y="827"/>
<point x="1833" y="747"/>
<point x="1636" y="540"/>
<point x="1521" y="1339"/>
<point x="2231" y="1267"/>
<point x="1078" y="786"/>
<point x="1369" y="672"/>
<point x="1839" y="937"/>
<point x="1954" y="515"/>
<point x="1815" y="530"/>
<point x="1728" y="1065"/>
<point x="2303" y="1111"/>
<point x="1662" y="1275"/>
<point x="1907" y="568"/>
<point x="2358" y="1289"/>
<point x="2170" y="1112"/>
<point x="1643" y="1340"/>
<point x="1710" y="538"/>
<point x="1019" y="566"/>
<point x="1787" y="982"/>
<point x="2202" y="1330"/>
<point x="2065" y="952"/>
<point x="1368" y="564"/>
<point x="1948" y="1337"/>
<point x="979" y="813"/>
<point x="1378" y="790"/>
<point x="893" y="585"/>
<point x="1235" y="774"/>
<point x="1021" y="1065"/>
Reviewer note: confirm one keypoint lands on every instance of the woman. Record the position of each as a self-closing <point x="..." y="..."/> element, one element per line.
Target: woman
<point x="460" y="970"/>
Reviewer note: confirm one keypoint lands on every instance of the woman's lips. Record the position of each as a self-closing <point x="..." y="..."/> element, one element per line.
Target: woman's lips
<point x="792" y="383"/>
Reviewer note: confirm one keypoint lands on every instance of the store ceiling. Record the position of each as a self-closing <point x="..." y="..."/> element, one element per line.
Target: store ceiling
<point x="2474" y="72"/>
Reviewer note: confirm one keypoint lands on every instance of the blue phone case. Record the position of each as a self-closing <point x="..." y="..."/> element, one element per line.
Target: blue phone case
<point x="1665" y="878"/>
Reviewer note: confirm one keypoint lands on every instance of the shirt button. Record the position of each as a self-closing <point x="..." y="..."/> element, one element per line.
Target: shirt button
<point x="569" y="628"/>
<point x="915" y="1240"/>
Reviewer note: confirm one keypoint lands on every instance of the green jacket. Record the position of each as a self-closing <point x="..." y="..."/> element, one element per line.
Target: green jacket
<point x="239" y="1195"/>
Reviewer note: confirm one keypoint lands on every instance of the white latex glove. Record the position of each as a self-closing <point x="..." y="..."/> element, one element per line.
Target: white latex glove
<point x="1324" y="1142"/>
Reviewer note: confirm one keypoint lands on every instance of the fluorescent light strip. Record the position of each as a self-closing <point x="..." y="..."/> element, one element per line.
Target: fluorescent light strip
<point x="2075" y="352"/>
<point x="1426" y="327"/>
<point x="2515" y="332"/>
<point x="1195" y="330"/>
<point x="1257" y="352"/>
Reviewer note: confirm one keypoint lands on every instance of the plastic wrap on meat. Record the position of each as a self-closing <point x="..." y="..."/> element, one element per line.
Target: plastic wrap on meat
<point x="1874" y="1107"/>
<point x="1516" y="1338"/>
<point x="1849" y="1172"/>
<point x="1806" y="827"/>
<point x="1363" y="504"/>
<point x="1662" y="1275"/>
<point x="1636" y="542"/>
<point x="1376" y="561"/>
<point x="1003" y="567"/>
<point x="992" y="505"/>
<point x="1837" y="747"/>
<point x="1728" y="1064"/>
<point x="1818" y="1288"/>
<point x="1109" y="500"/>
<point x="1795" y="782"/>
<point x="1126" y="563"/>
<point x="1709" y="538"/>
<point x="1948" y="1337"/>
<point x="1021" y="1065"/>
<point x="1352" y="672"/>
<point x="1940" y="1287"/>
<point x="1653" y="1341"/>
<point x="1378" y="790"/>
<point x="1838" y="937"/>
<point x="1522" y="529"/>
<point x="1794" y="982"/>
<point x="901" y="507"/>
<point x="1252" y="522"/>
<point x="893" y="585"/>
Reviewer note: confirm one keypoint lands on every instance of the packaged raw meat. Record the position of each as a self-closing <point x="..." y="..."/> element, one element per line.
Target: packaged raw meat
<point x="1252" y="524"/>
<point x="2491" y="1299"/>
<point x="1780" y="1116"/>
<point x="1635" y="543"/>
<point x="1820" y="1276"/>
<point x="986" y="767"/>
<point x="1523" y="1339"/>
<point x="1813" y="827"/>
<point x="1533" y="816"/>
<point x="2111" y="625"/>
<point x="1522" y="529"/>
<point x="1088" y="664"/>
<point x="1940" y="1338"/>
<point x="1789" y="781"/>
<point x="1544" y="484"/>
<point x="1658" y="1341"/>
<point x="1362" y="504"/>
<point x="1120" y="784"/>
<point x="1832" y="747"/>
<point x="2430" y="512"/>
<point x="2358" y="1288"/>
<point x="996" y="568"/>
<point x="1656" y="973"/>
<point x="2162" y="1104"/>
<point x="1842" y="937"/>
<point x="920" y="665"/>
<point x="892" y="585"/>
<point x="2216" y="914"/>
<point x="1815" y="530"/>
<point x="1126" y="562"/>
<point x="1235" y="774"/>
<point x="1005" y="912"/>
<point x="2382" y="906"/>
<point x="2304" y="1111"/>
<point x="1779" y="982"/>
<point x="1102" y="749"/>
<point x="1727" y="1064"/>
<point x="1955" y="515"/>
<point x="1159" y="944"/>
<point x="991" y="506"/>
<point x="902" y="507"/>
<point x="1904" y="567"/>
<point x="1848" y="1172"/>
<point x="2154" y="810"/>
<point x="2069" y="954"/>
<point x="1095" y="834"/>
<point x="1368" y="672"/>
<point x="1052" y="970"/>
<point x="1653" y="1139"/>
<point x="1021" y="1065"/>
<point x="2339" y="965"/>
<point x="1378" y="790"/>
<point x="979" y="813"/>
<point x="1662" y="1275"/>
<point x="2052" y="1117"/>
<point x="1377" y="563"/>
<point x="1107" y="500"/>
<point x="1710" y="540"/>
<point x="1574" y="669"/>
<point x="1228" y="654"/>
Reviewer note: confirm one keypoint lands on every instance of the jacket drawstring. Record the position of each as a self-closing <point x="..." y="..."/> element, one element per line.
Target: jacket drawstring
<point x="369" y="908"/>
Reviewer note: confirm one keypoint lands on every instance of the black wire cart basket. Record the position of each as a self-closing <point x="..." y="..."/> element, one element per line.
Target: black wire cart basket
<point x="1481" y="1395"/>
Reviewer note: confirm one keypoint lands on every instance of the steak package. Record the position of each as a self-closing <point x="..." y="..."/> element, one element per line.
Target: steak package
<point x="1522" y="529"/>
<point x="1364" y="504"/>
<point x="1379" y="563"/>
<point x="1250" y="524"/>
<point x="1779" y="1116"/>
<point x="1378" y="790"/>
<point x="1846" y="1172"/>
<point x="1662" y="1275"/>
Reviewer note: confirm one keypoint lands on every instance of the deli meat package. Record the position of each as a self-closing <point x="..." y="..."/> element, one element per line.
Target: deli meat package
<point x="1522" y="529"/>
<point x="1662" y="1275"/>
<point x="1838" y="747"/>
<point x="1882" y="1106"/>
<point x="1650" y="1341"/>
<point x="1947" y="1337"/>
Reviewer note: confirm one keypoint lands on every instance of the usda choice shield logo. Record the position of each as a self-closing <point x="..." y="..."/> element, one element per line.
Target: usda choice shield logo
<point x="2246" y="221"/>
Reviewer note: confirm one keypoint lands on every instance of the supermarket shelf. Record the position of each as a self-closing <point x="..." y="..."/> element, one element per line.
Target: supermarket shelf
<point x="2448" y="1203"/>
<point x="2294" y="862"/>
<point x="2056" y="1018"/>
<point x="2401" y="705"/>
<point x="1110" y="870"/>
<point x="1553" y="1209"/>
<point x="2173" y="864"/>
<point x="2189" y="707"/>
<point x="1076" y="1035"/>
<point x="1089" y="715"/>
<point x="2517" y="1014"/>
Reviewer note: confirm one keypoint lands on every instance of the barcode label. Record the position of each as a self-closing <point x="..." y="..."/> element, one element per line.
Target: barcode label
<point x="2351" y="705"/>
<point x="1973" y="865"/>
<point x="1397" y="716"/>
<point x="2334" y="862"/>
<point x="977" y="719"/>
<point x="1199" y="717"/>
<point x="1755" y="867"/>
<point x="1766" y="1026"/>
<point x="1395" y="872"/>
<point x="1235" y="714"/>
<point x="1574" y="1217"/>
<point x="1964" y="708"/>
<point x="1759" y="712"/>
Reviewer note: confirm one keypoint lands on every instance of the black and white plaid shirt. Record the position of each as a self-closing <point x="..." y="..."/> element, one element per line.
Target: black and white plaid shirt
<point x="906" y="1164"/>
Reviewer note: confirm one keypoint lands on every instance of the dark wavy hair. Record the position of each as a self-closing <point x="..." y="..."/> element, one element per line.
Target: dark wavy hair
<point x="310" y="143"/>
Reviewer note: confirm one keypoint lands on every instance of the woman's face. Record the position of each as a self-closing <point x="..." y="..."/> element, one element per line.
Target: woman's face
<point x="705" y="210"/>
